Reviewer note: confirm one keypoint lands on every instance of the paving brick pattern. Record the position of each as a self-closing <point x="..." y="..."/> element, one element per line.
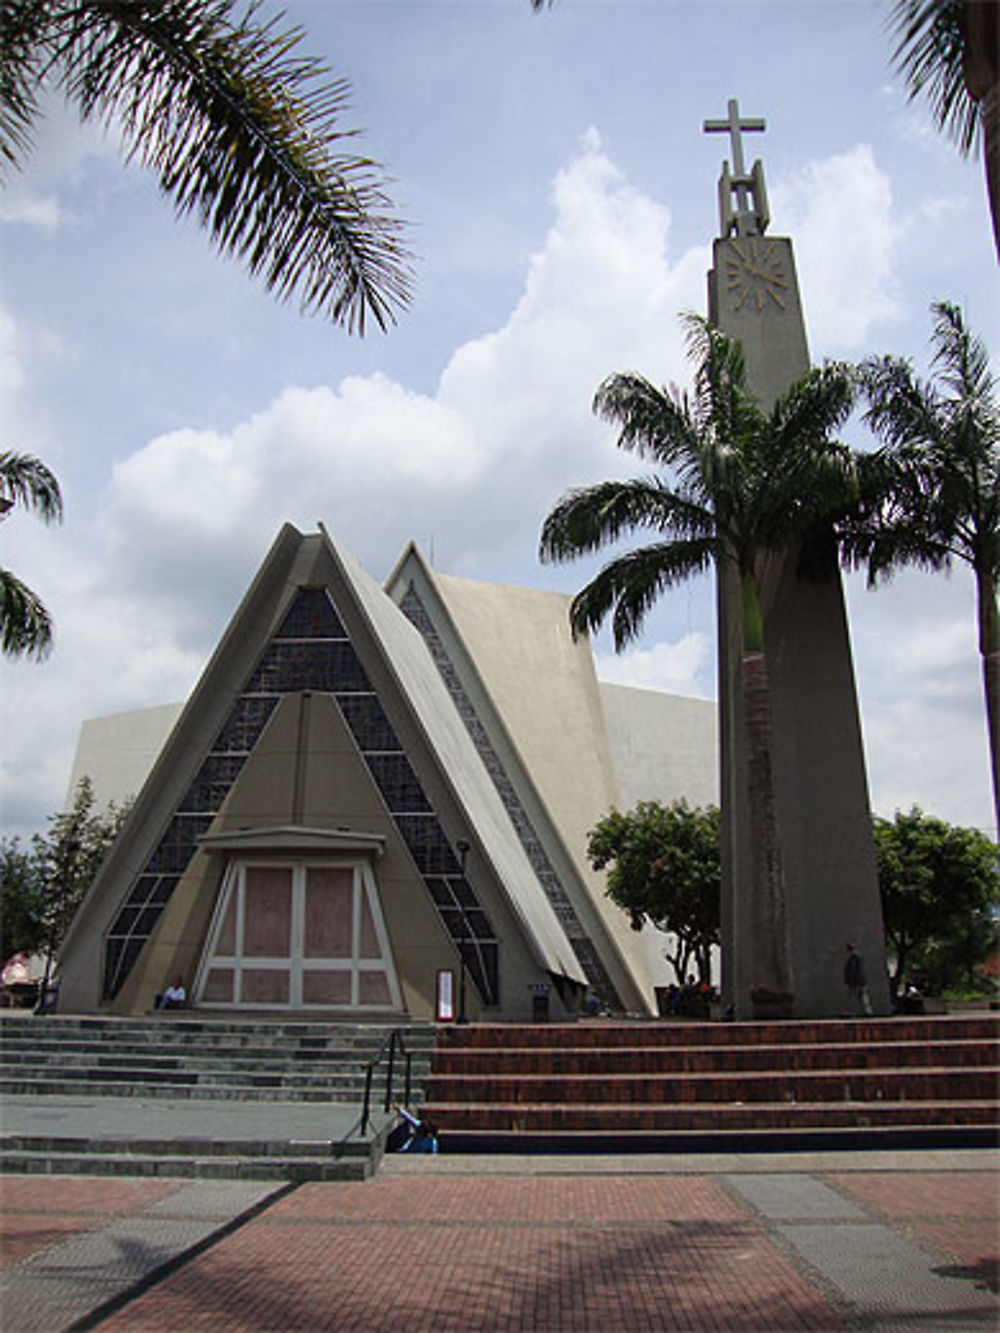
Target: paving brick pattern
<point x="573" y="1253"/>
<point x="560" y="1245"/>
<point x="72" y="1208"/>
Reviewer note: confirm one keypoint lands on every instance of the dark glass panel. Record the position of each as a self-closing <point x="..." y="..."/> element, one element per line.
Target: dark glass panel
<point x="288" y="668"/>
<point x="427" y="844"/>
<point x="440" y="890"/>
<point x="399" y="785"/>
<point x="311" y="616"/>
<point x="368" y="723"/>
<point x="211" y="787"/>
<point x="163" y="887"/>
<point x="147" y="920"/>
<point x="463" y="892"/>
<point x="125" y="920"/>
<point x="244" y="724"/>
<point x="178" y="843"/>
<point x="120" y="956"/>
<point x="478" y="924"/>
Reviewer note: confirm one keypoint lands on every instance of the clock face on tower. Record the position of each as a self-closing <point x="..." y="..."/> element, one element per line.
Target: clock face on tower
<point x="755" y="277"/>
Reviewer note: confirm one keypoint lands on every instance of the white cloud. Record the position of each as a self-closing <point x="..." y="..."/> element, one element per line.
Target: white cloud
<point x="922" y="705"/>
<point x="677" y="668"/>
<point x="31" y="208"/>
<point x="141" y="592"/>
<point x="846" y="270"/>
<point x="11" y="369"/>
<point x="509" y="429"/>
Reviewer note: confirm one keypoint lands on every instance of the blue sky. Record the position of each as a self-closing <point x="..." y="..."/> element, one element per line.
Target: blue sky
<point x="562" y="201"/>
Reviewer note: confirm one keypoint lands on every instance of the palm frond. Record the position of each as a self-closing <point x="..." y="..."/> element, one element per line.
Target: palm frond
<point x="27" y="481"/>
<point x="627" y="587"/>
<point x="22" y="23"/>
<point x="246" y="134"/>
<point x="900" y="410"/>
<point x="594" y="517"/>
<point x="815" y="407"/>
<point x="930" y="44"/>
<point x="960" y="359"/>
<point x="655" y="423"/>
<point x="933" y="492"/>
<point x="25" y="625"/>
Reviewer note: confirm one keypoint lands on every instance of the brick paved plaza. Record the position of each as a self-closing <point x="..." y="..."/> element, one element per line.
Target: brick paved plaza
<point x="833" y="1242"/>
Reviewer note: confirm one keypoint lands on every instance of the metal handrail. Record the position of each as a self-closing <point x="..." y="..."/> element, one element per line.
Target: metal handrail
<point x="392" y="1039"/>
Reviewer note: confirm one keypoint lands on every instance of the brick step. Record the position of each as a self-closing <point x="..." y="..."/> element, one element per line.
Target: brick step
<point x="605" y="1034"/>
<point x="196" y="1168"/>
<point x="834" y="1085"/>
<point x="599" y="1117"/>
<point x="838" y="1138"/>
<point x="511" y="1061"/>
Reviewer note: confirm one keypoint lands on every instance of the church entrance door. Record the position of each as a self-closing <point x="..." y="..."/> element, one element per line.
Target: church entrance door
<point x="301" y="935"/>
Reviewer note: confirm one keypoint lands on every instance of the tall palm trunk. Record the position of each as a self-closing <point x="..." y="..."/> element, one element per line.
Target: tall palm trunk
<point x="771" y="990"/>
<point x="989" y="648"/>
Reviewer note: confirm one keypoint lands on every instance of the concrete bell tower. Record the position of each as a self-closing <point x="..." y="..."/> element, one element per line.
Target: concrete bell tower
<point x="824" y="818"/>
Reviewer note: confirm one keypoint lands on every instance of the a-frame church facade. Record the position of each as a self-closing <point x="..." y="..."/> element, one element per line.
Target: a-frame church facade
<point x="372" y="786"/>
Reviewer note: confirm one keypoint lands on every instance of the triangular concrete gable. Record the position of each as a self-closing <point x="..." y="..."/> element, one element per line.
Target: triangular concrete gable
<point x="377" y="667"/>
<point x="528" y="696"/>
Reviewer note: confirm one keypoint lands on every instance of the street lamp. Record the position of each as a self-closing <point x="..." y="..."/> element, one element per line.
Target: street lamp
<point x="462" y="847"/>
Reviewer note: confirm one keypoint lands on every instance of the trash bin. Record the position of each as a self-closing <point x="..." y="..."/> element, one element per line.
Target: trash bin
<point x="540" y="1003"/>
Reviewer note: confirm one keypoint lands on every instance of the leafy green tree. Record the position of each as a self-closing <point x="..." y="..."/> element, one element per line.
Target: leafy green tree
<point x="665" y="870"/>
<point x="935" y="483"/>
<point x="21" y="900"/>
<point x="743" y="484"/>
<point x="25" y="624"/>
<point x="242" y="131"/>
<point x="949" y="52"/>
<point x="940" y="887"/>
<point x="43" y="885"/>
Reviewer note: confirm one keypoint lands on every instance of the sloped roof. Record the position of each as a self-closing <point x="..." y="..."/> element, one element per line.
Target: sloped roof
<point x="417" y="676"/>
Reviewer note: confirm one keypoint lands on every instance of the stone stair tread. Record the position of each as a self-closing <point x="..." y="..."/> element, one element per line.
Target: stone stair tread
<point x="184" y="1165"/>
<point x="195" y="1091"/>
<point x="194" y="1146"/>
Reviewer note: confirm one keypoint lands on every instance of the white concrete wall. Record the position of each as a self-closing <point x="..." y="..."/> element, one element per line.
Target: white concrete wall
<point x="117" y="752"/>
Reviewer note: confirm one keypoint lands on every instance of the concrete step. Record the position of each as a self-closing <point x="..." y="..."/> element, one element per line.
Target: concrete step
<point x="51" y="1052"/>
<point x="193" y="1146"/>
<point x="167" y="1057"/>
<point x="26" y="1031"/>
<point x="28" y="1086"/>
<point x="211" y="1167"/>
<point x="153" y="1069"/>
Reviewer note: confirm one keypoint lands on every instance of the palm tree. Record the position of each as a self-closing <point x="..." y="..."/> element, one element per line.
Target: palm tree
<point x="933" y="490"/>
<point x="949" y="50"/>
<point x="242" y="131"/>
<point x="25" y="626"/>
<point x="743" y="484"/>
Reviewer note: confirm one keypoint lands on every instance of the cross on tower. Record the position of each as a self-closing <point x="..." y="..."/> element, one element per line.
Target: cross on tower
<point x="750" y="217"/>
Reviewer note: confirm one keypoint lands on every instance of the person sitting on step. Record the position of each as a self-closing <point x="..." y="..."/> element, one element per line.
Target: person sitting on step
<point x="174" y="997"/>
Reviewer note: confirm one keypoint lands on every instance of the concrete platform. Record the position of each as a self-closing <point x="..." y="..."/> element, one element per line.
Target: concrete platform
<point x="595" y="1244"/>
